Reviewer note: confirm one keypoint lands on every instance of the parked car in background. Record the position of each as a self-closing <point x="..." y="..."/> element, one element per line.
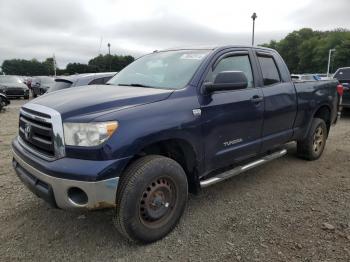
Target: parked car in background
<point x="13" y="87"/>
<point x="170" y="122"/>
<point x="324" y="76"/>
<point x="343" y="76"/>
<point x="305" y="77"/>
<point x="81" y="80"/>
<point x="4" y="101"/>
<point x="40" y="84"/>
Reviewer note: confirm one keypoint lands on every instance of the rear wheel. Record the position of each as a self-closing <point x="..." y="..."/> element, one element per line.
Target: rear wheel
<point x="311" y="148"/>
<point x="151" y="198"/>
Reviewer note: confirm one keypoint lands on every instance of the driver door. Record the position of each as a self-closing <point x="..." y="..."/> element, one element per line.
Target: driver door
<point x="232" y="119"/>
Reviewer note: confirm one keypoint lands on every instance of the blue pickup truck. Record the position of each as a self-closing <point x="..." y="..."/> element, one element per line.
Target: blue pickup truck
<point x="172" y="122"/>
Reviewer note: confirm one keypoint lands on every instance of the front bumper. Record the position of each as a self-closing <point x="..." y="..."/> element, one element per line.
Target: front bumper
<point x="62" y="193"/>
<point x="16" y="96"/>
<point x="19" y="93"/>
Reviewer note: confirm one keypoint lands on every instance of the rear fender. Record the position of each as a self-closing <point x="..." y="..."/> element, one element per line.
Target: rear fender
<point x="307" y="129"/>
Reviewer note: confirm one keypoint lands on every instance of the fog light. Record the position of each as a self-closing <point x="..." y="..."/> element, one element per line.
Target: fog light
<point x="77" y="196"/>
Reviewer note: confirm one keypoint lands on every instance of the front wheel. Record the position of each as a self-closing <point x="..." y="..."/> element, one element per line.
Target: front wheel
<point x="2" y="103"/>
<point x="151" y="198"/>
<point x="311" y="148"/>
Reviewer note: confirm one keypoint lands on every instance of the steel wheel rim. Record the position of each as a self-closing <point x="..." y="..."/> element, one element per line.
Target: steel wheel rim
<point x="318" y="140"/>
<point x="157" y="202"/>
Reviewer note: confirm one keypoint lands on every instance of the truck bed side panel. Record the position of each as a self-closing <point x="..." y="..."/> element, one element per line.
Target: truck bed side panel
<point x="312" y="95"/>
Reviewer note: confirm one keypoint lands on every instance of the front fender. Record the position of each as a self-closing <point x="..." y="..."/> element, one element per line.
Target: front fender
<point x="141" y="126"/>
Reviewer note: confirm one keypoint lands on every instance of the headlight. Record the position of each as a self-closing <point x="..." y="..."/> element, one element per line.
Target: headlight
<point x="88" y="134"/>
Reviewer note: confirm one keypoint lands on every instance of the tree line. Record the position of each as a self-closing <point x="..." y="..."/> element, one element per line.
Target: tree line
<point x="33" y="67"/>
<point x="306" y="50"/>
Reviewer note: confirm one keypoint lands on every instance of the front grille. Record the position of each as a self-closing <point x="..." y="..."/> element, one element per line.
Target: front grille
<point x="35" y="129"/>
<point x="15" y="91"/>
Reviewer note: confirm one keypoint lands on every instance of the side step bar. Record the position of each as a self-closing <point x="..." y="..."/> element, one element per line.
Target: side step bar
<point x="240" y="169"/>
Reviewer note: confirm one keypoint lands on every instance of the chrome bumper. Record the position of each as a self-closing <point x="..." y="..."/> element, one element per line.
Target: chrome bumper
<point x="100" y="194"/>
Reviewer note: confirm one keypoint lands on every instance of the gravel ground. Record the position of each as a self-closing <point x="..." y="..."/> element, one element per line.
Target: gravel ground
<point x="287" y="210"/>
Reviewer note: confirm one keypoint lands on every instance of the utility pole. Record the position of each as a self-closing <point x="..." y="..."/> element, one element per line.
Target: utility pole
<point x="54" y="64"/>
<point x="109" y="53"/>
<point x="254" y="16"/>
<point x="329" y="60"/>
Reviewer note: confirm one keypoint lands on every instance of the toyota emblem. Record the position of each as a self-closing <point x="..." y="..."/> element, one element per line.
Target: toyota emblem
<point x="27" y="131"/>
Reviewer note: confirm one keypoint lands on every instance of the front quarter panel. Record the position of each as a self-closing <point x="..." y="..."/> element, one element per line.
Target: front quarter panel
<point x="144" y="125"/>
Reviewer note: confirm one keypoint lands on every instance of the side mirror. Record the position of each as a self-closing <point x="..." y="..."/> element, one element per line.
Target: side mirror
<point x="227" y="80"/>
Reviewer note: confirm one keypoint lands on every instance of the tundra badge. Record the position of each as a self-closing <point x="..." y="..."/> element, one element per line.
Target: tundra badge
<point x="197" y="112"/>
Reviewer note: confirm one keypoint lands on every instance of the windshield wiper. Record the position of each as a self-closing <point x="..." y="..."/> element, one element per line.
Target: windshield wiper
<point x="136" y="85"/>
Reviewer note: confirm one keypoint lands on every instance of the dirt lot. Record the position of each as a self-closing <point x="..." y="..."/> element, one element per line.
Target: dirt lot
<point x="273" y="213"/>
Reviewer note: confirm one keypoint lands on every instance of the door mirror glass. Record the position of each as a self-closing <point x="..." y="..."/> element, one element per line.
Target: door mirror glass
<point x="227" y="80"/>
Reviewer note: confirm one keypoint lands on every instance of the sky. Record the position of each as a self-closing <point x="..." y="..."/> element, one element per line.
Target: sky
<point x="78" y="30"/>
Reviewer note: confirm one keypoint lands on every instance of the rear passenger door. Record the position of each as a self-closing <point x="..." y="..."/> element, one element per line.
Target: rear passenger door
<point x="280" y="101"/>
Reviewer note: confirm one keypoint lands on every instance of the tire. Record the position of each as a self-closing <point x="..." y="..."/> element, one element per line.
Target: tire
<point x="26" y="97"/>
<point x="34" y="95"/>
<point x="151" y="198"/>
<point x="311" y="148"/>
<point x="2" y="103"/>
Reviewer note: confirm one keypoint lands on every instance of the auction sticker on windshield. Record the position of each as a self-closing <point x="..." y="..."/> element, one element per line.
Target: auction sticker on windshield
<point x="193" y="56"/>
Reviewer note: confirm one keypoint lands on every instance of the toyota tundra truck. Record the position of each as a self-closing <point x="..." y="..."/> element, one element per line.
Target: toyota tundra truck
<point x="170" y="123"/>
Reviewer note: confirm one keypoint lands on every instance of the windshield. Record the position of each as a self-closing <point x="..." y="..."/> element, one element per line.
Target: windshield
<point x="10" y="79"/>
<point x="168" y="70"/>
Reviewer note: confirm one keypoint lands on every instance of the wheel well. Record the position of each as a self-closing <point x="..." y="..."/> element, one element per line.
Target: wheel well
<point x="324" y="113"/>
<point x="180" y="151"/>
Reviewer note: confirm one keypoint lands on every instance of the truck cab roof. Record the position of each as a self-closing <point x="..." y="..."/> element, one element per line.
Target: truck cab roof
<point x="215" y="47"/>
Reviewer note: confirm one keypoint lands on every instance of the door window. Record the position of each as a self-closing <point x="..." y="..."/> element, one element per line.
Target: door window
<point x="269" y="70"/>
<point x="233" y="63"/>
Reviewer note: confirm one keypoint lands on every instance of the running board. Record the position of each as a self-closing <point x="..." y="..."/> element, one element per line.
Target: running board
<point x="240" y="169"/>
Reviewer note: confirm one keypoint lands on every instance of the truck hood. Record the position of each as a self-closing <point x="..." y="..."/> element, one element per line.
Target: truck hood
<point x="95" y="100"/>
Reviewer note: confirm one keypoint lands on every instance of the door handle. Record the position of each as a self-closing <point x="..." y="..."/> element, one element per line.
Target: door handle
<point x="257" y="99"/>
